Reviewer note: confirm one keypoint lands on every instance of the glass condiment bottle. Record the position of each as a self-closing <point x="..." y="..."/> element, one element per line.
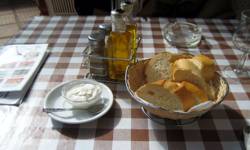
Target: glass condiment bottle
<point x="118" y="46"/>
<point x="131" y="25"/>
<point x="105" y="29"/>
<point x="97" y="63"/>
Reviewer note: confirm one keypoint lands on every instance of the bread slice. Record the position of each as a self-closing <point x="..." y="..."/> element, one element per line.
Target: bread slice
<point x="186" y="70"/>
<point x="160" y="66"/>
<point x="199" y="94"/>
<point x="205" y="65"/>
<point x="188" y="100"/>
<point x="190" y="95"/>
<point x="168" y="84"/>
<point x="172" y="95"/>
<point x="159" y="96"/>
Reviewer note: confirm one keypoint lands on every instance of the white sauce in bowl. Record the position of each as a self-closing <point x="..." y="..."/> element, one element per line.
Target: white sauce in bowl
<point x="83" y="92"/>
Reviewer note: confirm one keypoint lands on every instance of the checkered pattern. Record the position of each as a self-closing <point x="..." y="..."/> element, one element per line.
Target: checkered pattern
<point x="124" y="126"/>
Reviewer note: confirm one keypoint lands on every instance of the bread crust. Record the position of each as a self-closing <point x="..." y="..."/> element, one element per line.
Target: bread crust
<point x="160" y="66"/>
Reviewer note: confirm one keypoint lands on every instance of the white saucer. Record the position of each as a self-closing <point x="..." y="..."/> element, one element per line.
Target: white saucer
<point x="55" y="100"/>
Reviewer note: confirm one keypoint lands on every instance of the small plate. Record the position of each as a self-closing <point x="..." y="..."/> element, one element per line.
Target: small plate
<point x="55" y="100"/>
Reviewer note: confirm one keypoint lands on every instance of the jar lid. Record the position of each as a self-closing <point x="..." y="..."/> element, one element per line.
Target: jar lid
<point x="105" y="27"/>
<point x="96" y="37"/>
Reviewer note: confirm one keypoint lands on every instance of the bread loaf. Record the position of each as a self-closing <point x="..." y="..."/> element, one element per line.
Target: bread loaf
<point x="160" y="66"/>
<point x="205" y="65"/>
<point x="191" y="70"/>
<point x="172" y="95"/>
<point x="159" y="96"/>
<point x="186" y="70"/>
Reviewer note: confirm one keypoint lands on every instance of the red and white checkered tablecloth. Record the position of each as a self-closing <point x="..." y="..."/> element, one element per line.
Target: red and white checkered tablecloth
<point x="124" y="127"/>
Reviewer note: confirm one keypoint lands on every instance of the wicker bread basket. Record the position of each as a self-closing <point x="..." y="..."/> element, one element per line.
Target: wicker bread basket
<point x="135" y="78"/>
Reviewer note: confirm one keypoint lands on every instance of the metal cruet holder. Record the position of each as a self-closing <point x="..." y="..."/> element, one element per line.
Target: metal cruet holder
<point x="94" y="55"/>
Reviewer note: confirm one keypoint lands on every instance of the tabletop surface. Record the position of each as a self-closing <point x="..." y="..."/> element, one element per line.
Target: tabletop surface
<point x="124" y="126"/>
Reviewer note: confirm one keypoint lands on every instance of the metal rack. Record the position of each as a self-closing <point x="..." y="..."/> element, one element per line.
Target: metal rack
<point x="100" y="74"/>
<point x="95" y="59"/>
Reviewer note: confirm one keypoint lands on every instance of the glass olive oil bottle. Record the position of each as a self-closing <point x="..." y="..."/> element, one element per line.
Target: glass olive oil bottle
<point x="118" y="46"/>
<point x="131" y="25"/>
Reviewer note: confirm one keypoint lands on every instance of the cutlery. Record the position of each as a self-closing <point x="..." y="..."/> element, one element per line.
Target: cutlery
<point x="94" y="109"/>
<point x="49" y="110"/>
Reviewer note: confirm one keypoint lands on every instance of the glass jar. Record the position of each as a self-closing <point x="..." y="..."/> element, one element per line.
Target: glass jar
<point x="182" y="34"/>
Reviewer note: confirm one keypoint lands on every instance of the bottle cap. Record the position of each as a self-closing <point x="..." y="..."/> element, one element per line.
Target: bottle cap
<point x="117" y="19"/>
<point x="117" y="12"/>
<point x="95" y="37"/>
<point x="96" y="41"/>
<point x="127" y="7"/>
<point x="106" y="28"/>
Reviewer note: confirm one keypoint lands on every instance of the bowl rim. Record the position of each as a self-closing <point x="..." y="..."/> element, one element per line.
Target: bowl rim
<point x="193" y="25"/>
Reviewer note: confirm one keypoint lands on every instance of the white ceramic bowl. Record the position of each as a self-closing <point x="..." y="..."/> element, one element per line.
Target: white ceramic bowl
<point x="73" y="93"/>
